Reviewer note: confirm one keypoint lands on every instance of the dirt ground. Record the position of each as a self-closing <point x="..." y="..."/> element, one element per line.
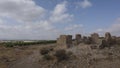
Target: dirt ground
<point x="84" y="57"/>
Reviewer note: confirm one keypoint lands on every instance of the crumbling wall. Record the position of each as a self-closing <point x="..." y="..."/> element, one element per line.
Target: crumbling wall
<point x="78" y="39"/>
<point x="108" y="38"/>
<point x="86" y="40"/>
<point x="107" y="41"/>
<point x="95" y="38"/>
<point x="114" y="40"/>
<point x="65" y="40"/>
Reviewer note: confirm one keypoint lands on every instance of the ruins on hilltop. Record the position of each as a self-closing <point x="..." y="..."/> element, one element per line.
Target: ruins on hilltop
<point x="107" y="41"/>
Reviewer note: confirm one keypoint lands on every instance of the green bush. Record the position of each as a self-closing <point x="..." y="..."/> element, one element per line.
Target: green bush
<point x="9" y="44"/>
<point x="22" y="43"/>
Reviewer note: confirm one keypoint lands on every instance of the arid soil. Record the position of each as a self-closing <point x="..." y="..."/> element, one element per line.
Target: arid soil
<point x="83" y="57"/>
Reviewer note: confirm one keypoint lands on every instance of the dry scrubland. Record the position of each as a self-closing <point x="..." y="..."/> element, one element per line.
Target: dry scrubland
<point x="79" y="55"/>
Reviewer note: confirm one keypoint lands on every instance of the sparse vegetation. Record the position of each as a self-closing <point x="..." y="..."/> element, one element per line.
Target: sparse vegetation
<point x="61" y="55"/>
<point x="21" y="43"/>
<point x="58" y="56"/>
<point x="44" y="51"/>
<point x="48" y="57"/>
<point x="93" y="47"/>
<point x="9" y="44"/>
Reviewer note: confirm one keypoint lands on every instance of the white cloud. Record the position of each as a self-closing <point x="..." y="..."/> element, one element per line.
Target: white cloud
<point x="29" y="20"/>
<point x="73" y="27"/>
<point x="1" y="21"/>
<point x="99" y="30"/>
<point x="84" y="4"/>
<point x="60" y="14"/>
<point x="114" y="28"/>
<point x="20" y="10"/>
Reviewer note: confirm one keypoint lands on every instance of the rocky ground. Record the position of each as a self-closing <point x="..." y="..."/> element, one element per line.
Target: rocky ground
<point x="83" y="57"/>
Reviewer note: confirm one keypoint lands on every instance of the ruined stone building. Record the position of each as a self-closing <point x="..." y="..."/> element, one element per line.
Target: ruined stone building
<point x="95" y="38"/>
<point x="65" y="40"/>
<point x="108" y="38"/>
<point x="107" y="41"/>
<point x="78" y="39"/>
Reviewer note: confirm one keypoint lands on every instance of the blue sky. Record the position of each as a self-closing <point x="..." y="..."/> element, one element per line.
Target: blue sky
<point x="47" y="19"/>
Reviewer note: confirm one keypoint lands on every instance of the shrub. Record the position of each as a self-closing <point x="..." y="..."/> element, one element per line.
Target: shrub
<point x="69" y="53"/>
<point x="47" y="57"/>
<point x="9" y="44"/>
<point x="87" y="41"/>
<point x="103" y="44"/>
<point x="22" y="43"/>
<point x="51" y="48"/>
<point x="61" y="55"/>
<point x="93" y="47"/>
<point x="44" y="51"/>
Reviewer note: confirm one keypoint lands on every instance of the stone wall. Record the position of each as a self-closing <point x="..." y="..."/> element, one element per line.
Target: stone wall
<point x="65" y="40"/>
<point x="108" y="38"/>
<point x="78" y="39"/>
<point x="107" y="41"/>
<point x="95" y="38"/>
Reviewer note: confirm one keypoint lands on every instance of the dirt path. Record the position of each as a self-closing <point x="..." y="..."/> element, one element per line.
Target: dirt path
<point x="28" y="61"/>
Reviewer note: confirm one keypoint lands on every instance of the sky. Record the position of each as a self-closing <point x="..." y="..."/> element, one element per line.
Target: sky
<point x="47" y="19"/>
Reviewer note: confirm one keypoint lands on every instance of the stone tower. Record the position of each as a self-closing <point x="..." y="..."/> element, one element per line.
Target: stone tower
<point x="95" y="38"/>
<point x="65" y="41"/>
<point x="78" y="39"/>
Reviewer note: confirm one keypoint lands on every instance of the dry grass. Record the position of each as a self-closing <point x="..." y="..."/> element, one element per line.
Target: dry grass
<point x="8" y="55"/>
<point x="81" y="56"/>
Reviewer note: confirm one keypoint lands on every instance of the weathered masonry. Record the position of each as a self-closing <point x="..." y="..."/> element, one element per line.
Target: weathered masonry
<point x="65" y="40"/>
